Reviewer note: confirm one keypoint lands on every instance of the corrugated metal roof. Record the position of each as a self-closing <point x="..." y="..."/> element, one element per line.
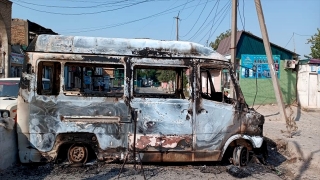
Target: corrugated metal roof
<point x="224" y="46"/>
<point x="121" y="46"/>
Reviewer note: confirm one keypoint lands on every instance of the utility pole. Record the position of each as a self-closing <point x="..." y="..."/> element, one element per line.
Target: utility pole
<point x="267" y="47"/>
<point x="177" y="18"/>
<point x="233" y="45"/>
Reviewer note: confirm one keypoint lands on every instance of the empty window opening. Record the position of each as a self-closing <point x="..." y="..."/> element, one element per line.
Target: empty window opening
<point x="161" y="82"/>
<point x="215" y="84"/>
<point x="48" y="78"/>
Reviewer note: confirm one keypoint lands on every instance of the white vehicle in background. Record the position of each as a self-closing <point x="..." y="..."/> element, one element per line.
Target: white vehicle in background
<point x="9" y="88"/>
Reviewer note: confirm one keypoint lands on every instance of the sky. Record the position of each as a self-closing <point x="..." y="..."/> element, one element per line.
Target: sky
<point x="289" y="22"/>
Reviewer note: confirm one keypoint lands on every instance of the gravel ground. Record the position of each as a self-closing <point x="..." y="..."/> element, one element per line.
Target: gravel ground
<point x="100" y="170"/>
<point x="154" y="172"/>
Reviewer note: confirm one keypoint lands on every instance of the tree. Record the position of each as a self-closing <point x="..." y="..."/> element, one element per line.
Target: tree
<point x="315" y="44"/>
<point x="223" y="35"/>
<point x="166" y="75"/>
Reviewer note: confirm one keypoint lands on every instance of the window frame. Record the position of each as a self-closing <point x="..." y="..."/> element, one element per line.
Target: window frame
<point x="94" y="93"/>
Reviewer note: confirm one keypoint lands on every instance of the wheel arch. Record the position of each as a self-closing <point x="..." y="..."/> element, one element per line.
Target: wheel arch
<point x="254" y="141"/>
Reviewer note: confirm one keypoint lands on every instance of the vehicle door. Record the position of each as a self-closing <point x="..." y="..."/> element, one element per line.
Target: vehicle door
<point x="163" y="119"/>
<point x="214" y="114"/>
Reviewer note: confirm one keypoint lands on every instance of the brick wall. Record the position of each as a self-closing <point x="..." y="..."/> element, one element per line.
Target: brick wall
<point x="19" y="32"/>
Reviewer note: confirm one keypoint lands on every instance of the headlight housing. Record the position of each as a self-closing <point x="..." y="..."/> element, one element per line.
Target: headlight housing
<point x="5" y="114"/>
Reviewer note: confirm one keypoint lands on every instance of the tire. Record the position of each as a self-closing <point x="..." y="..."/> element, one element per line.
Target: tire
<point x="240" y="156"/>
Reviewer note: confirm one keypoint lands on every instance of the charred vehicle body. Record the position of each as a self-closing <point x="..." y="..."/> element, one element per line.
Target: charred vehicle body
<point x="108" y="97"/>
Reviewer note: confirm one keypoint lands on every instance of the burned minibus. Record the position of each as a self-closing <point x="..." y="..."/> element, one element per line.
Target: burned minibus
<point x="112" y="98"/>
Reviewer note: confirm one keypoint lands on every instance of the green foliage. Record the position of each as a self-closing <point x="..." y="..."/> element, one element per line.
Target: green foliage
<point x="166" y="75"/>
<point x="160" y="75"/>
<point x="223" y="35"/>
<point x="147" y="73"/>
<point x="315" y="44"/>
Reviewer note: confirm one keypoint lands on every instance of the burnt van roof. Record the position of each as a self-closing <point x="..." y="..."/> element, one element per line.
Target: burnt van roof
<point x="121" y="46"/>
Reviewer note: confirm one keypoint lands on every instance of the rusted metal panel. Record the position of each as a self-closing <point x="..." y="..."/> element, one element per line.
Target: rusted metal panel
<point x="155" y="142"/>
<point x="167" y="157"/>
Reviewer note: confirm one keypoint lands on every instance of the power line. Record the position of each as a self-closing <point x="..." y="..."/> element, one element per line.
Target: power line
<point x="197" y="19"/>
<point x="289" y="40"/>
<point x="240" y="15"/>
<point x="75" y="14"/>
<point x="132" y="21"/>
<point x="223" y="12"/>
<point x="76" y="7"/>
<point x="155" y="19"/>
<point x="204" y="20"/>
<point x="223" y="16"/>
<point x="215" y="15"/>
<point x="192" y="10"/>
<point x="184" y="6"/>
<point x="86" y="1"/>
<point x="301" y="34"/>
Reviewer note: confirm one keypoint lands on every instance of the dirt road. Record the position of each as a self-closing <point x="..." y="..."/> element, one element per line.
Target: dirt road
<point x="302" y="151"/>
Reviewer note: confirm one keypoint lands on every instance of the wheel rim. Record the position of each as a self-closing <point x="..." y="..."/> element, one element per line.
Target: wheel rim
<point x="77" y="154"/>
<point x="243" y="156"/>
<point x="240" y="156"/>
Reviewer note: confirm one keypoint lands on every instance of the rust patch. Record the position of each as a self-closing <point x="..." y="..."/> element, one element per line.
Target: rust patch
<point x="143" y="142"/>
<point x="167" y="157"/>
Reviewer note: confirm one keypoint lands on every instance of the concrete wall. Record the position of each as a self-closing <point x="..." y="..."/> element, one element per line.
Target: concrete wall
<point x="5" y="35"/>
<point x="5" y="11"/>
<point x="8" y="148"/>
<point x="265" y="91"/>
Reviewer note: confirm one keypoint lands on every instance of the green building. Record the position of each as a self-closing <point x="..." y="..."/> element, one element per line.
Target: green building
<point x="254" y="73"/>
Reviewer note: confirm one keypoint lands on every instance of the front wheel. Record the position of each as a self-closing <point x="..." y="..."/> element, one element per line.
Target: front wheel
<point x="240" y="156"/>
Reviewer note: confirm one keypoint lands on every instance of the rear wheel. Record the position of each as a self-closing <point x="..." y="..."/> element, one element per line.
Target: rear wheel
<point x="78" y="153"/>
<point x="240" y="156"/>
